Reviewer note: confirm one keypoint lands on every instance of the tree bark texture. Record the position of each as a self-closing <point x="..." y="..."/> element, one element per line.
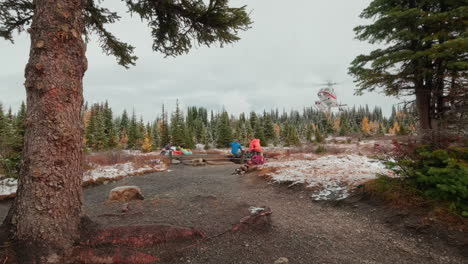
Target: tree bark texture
<point x="45" y="216"/>
<point x="423" y="104"/>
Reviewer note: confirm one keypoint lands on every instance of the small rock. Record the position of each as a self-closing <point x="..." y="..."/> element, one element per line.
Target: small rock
<point x="175" y="161"/>
<point x="105" y="182"/>
<point x="281" y="261"/>
<point x="125" y="194"/>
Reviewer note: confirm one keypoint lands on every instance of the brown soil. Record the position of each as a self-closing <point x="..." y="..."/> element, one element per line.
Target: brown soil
<point x="214" y="201"/>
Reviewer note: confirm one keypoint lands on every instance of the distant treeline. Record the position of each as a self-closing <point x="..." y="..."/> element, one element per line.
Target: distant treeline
<point x="198" y="125"/>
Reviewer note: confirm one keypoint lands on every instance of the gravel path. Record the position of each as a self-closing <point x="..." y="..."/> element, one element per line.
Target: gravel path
<point x="212" y="199"/>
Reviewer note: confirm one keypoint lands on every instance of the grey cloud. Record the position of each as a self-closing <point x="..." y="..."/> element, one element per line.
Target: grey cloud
<point x="291" y="47"/>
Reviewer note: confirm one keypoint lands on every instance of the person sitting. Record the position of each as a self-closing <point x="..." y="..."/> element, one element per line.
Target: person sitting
<point x="255" y="147"/>
<point x="236" y="148"/>
<point x="257" y="152"/>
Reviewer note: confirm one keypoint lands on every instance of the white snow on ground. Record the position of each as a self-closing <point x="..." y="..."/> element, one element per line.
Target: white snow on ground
<point x="254" y="210"/>
<point x="200" y="146"/>
<point x="331" y="176"/>
<point x="118" y="170"/>
<point x="8" y="186"/>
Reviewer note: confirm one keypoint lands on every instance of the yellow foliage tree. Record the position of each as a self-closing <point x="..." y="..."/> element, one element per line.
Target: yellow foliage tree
<point x="146" y="147"/>
<point x="365" y="126"/>
<point x="336" y="125"/>
<point x="396" y="128"/>
<point x="123" y="139"/>
<point x="374" y="127"/>
<point x="86" y="118"/>
<point x="277" y="130"/>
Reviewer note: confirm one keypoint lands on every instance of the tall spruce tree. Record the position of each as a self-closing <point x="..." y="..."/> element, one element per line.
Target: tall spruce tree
<point x="109" y="128"/>
<point x="178" y="132"/>
<point x="54" y="86"/>
<point x="165" y="134"/>
<point x="424" y="54"/>
<point x="268" y="129"/>
<point x="224" y="131"/>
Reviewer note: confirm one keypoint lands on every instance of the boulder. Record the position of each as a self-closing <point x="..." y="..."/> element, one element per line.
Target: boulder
<point x="125" y="194"/>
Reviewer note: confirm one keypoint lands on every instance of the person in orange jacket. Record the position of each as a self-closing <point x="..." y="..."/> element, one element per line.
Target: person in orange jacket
<point x="255" y="146"/>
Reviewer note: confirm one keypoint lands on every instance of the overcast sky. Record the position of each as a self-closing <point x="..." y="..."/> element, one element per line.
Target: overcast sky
<point x="291" y="47"/>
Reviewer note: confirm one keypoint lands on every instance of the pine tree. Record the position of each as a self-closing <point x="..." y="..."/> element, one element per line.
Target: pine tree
<point x="57" y="39"/>
<point x="124" y="123"/>
<point x="345" y="125"/>
<point x="309" y="133"/>
<point x="133" y="132"/>
<point x="268" y="129"/>
<point x="109" y="129"/>
<point x="319" y="138"/>
<point x="178" y="132"/>
<point x="11" y="144"/>
<point x="292" y="137"/>
<point x="20" y="121"/>
<point x="100" y="137"/>
<point x="425" y="50"/>
<point x="224" y="131"/>
<point x="164" y="129"/>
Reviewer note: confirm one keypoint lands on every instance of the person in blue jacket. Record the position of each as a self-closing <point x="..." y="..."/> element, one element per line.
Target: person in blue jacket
<point x="236" y="148"/>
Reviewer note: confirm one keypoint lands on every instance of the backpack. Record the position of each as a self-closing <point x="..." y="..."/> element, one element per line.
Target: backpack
<point x="258" y="160"/>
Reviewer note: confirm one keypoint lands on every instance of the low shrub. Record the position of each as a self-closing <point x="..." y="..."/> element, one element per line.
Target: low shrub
<point x="321" y="149"/>
<point x="396" y="191"/>
<point x="440" y="174"/>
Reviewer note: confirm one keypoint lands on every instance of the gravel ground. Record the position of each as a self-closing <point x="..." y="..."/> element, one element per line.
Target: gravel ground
<point x="212" y="200"/>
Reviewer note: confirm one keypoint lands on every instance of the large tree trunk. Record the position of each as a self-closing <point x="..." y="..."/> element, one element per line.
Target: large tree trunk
<point x="45" y="216"/>
<point x="423" y="104"/>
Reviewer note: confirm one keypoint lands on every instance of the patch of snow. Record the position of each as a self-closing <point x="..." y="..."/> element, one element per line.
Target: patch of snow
<point x="331" y="176"/>
<point x="200" y="146"/>
<point x="119" y="170"/>
<point x="254" y="210"/>
<point x="8" y="186"/>
<point x="330" y="138"/>
<point x="331" y="191"/>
